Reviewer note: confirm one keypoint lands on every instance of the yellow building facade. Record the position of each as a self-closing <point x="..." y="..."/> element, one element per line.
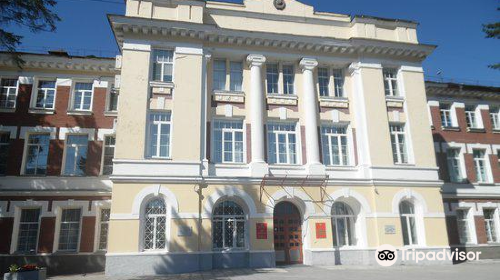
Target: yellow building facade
<point x="266" y="132"/>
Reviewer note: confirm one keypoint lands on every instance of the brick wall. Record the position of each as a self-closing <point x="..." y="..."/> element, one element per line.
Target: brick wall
<point x="480" y="230"/>
<point x="60" y="118"/>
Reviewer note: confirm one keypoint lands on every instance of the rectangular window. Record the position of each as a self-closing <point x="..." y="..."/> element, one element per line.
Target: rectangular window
<point x="69" y="233"/>
<point x="272" y="77"/>
<point x="37" y="152"/>
<point x="498" y="156"/>
<point x="445" y="111"/>
<point x="8" y="93"/>
<point x="236" y="76"/>
<point x="219" y="78"/>
<point x="28" y="230"/>
<point x="228" y="141"/>
<point x="454" y="165"/>
<point x="163" y="65"/>
<point x="4" y="152"/>
<point x="480" y="165"/>
<point x="490" y="225"/>
<point x="288" y="79"/>
<point x="76" y="155"/>
<point x="324" y="82"/>
<point x="113" y="100"/>
<point x="463" y="226"/>
<point x="338" y="81"/>
<point x="282" y="143"/>
<point x="103" y="229"/>
<point x="495" y="118"/>
<point x="335" y="145"/>
<point x="45" y="95"/>
<point x="390" y="82"/>
<point x="399" y="149"/>
<point x="159" y="135"/>
<point x="109" y="154"/>
<point x="470" y="117"/>
<point x="82" y="97"/>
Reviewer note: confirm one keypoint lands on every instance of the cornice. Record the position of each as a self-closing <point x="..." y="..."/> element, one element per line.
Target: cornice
<point x="106" y="66"/>
<point x="124" y="26"/>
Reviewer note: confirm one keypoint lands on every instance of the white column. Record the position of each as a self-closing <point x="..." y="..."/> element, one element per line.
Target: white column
<point x="310" y="107"/>
<point x="204" y="113"/>
<point x="257" y="111"/>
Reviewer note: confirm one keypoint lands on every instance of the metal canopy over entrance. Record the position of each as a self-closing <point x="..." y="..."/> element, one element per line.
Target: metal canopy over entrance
<point x="318" y="181"/>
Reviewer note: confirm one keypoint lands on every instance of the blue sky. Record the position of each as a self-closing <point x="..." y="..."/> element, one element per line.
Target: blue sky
<point x="454" y="25"/>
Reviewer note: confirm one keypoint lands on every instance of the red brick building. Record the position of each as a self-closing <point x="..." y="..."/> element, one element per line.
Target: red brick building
<point x="57" y="119"/>
<point x="466" y="130"/>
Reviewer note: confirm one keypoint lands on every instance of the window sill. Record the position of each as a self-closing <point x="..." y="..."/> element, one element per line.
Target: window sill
<point x="404" y="164"/>
<point x="231" y="250"/>
<point x="229" y="96"/>
<point x="333" y="102"/>
<point x="41" y="111"/>
<point x="7" y="110"/>
<point x="282" y="99"/>
<point x="496" y="130"/>
<point x="111" y="113"/>
<point x="79" y="113"/>
<point x="450" y="128"/>
<point x="476" y="130"/>
<point x="230" y="164"/>
<point x="162" y="84"/>
<point x="485" y="184"/>
<point x="394" y="101"/>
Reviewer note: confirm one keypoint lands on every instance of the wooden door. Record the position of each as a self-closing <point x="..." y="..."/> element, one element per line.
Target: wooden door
<point x="287" y="234"/>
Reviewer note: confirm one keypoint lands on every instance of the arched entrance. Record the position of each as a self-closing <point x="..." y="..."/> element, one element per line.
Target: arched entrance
<point x="287" y="234"/>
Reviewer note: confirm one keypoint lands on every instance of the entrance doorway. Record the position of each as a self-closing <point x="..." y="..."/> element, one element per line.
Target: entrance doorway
<point x="287" y="234"/>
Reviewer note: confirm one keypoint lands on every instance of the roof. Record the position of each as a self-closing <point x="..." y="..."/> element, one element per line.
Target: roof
<point x="463" y="90"/>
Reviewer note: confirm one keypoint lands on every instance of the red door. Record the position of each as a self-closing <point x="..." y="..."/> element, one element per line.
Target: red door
<point x="287" y="234"/>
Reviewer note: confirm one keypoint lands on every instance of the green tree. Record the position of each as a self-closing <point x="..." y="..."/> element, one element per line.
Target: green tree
<point x="36" y="15"/>
<point x="492" y="30"/>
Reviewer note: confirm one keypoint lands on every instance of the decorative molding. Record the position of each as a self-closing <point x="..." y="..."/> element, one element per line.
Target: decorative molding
<point x="76" y="130"/>
<point x="75" y="63"/>
<point x="12" y="130"/>
<point x="229" y="97"/>
<point x="25" y="130"/>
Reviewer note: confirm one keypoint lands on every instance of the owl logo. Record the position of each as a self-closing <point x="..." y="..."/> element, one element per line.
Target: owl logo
<point x="279" y="4"/>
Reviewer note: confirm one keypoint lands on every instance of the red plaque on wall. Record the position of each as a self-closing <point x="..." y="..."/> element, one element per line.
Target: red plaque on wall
<point x="261" y="231"/>
<point x="320" y="230"/>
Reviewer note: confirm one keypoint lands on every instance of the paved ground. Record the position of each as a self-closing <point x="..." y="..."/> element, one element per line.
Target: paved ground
<point x="484" y="270"/>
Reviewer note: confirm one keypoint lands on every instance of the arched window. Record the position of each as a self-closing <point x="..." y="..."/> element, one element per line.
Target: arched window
<point x="155" y="223"/>
<point x="408" y="222"/>
<point x="228" y="226"/>
<point x="343" y="221"/>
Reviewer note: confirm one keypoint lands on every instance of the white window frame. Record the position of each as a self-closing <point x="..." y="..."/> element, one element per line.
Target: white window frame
<point x="110" y="90"/>
<point x="467" y="220"/>
<point x="399" y="153"/>
<point x="65" y="153"/>
<point x="104" y="150"/>
<point x="280" y="78"/>
<point x="167" y="216"/>
<point x="459" y="163"/>
<point x="335" y="82"/>
<point x="149" y="146"/>
<point x="26" y="150"/>
<point x="233" y="131"/>
<point x="391" y="92"/>
<point x="296" y="132"/>
<point x="447" y="113"/>
<point x="288" y="89"/>
<point x="235" y="218"/>
<point x="17" y="92"/>
<point x="34" y="93"/>
<point x="18" y="223"/>
<point x="153" y="61"/>
<point x="228" y="75"/>
<point x="349" y="138"/>
<point x="98" y="228"/>
<point x="349" y="219"/>
<point x="72" y="104"/>
<point x="495" y="118"/>
<point x="486" y="164"/>
<point x="59" y="222"/>
<point x="495" y="222"/>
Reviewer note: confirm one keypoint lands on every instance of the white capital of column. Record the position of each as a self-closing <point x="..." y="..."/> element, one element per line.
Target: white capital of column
<point x="257" y="107"/>
<point x="310" y="104"/>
